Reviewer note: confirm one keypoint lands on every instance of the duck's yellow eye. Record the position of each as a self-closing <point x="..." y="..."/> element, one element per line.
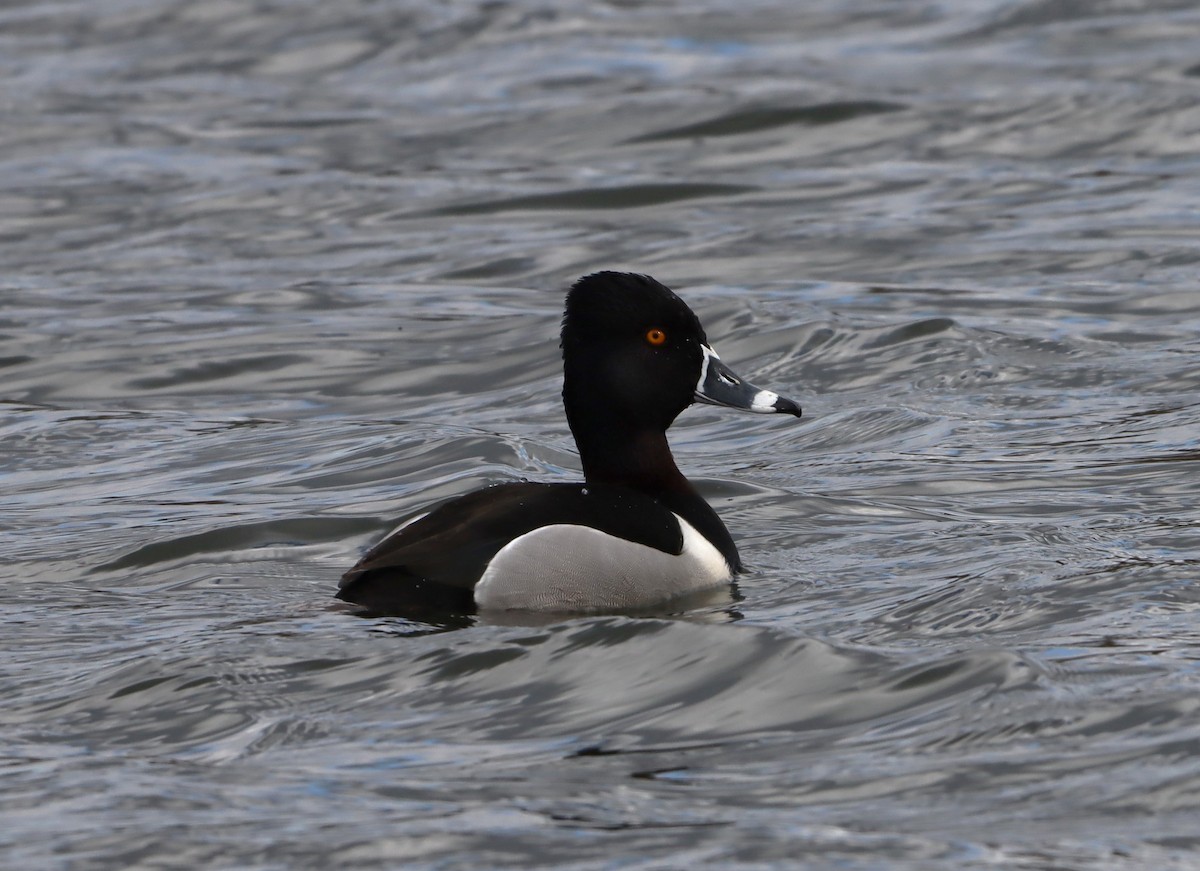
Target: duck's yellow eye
<point x="655" y="336"/>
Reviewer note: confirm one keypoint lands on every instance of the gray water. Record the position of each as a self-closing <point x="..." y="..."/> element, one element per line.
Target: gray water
<point x="277" y="275"/>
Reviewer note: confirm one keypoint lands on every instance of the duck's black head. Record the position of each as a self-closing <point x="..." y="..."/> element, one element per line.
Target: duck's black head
<point x="631" y="348"/>
<point x="634" y="357"/>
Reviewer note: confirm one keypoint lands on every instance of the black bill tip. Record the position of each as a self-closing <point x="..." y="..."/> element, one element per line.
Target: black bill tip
<point x="783" y="405"/>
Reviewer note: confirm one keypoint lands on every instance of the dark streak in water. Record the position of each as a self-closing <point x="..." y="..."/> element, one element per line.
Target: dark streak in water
<point x="622" y="197"/>
<point x="768" y="117"/>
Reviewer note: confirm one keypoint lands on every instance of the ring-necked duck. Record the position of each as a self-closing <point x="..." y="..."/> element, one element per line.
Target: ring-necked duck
<point x="635" y="533"/>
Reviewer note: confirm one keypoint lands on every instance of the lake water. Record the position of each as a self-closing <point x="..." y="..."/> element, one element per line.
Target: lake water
<point x="278" y="274"/>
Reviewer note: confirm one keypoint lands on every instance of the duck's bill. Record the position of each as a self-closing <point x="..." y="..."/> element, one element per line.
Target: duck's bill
<point x="718" y="385"/>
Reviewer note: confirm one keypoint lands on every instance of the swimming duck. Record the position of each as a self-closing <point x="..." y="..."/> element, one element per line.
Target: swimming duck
<point x="635" y="533"/>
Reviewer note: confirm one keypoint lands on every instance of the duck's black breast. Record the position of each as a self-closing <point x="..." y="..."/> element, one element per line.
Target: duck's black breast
<point x="435" y="562"/>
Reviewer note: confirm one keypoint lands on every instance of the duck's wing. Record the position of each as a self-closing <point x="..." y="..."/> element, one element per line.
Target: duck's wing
<point x="437" y="560"/>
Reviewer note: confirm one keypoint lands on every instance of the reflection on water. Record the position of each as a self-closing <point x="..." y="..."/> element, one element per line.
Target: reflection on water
<point x="279" y="277"/>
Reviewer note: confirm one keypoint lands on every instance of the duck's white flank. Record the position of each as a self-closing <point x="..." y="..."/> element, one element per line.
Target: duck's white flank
<point x="577" y="568"/>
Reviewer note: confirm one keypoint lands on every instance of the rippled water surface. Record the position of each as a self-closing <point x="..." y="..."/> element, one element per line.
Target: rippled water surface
<point x="277" y="275"/>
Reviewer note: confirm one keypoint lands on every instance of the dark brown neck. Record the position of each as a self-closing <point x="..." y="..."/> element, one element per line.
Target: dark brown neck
<point x="613" y="453"/>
